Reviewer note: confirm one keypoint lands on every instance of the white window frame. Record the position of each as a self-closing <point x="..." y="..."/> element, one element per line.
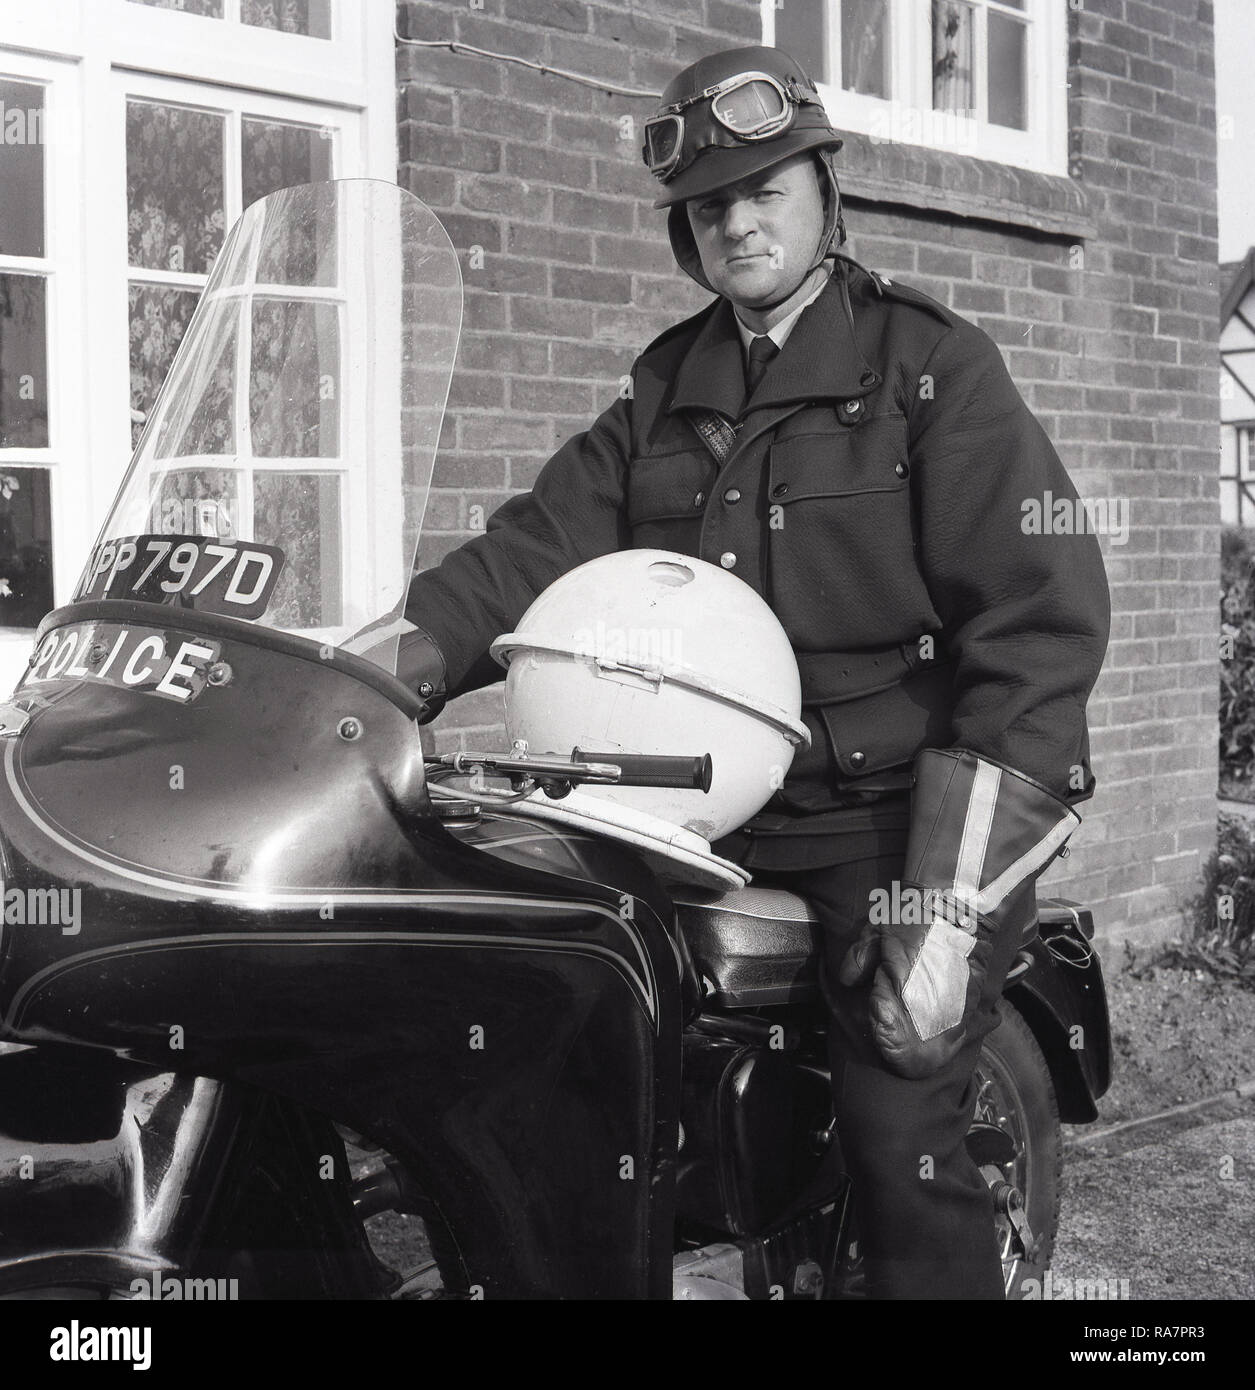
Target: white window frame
<point x="86" y="52"/>
<point x="907" y="115"/>
<point x="62" y="269"/>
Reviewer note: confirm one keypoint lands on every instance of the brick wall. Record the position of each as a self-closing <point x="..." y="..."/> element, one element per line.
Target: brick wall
<point x="1108" y="326"/>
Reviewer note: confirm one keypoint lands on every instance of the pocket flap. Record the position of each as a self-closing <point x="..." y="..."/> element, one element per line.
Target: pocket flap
<point x="669" y="485"/>
<point x="869" y="457"/>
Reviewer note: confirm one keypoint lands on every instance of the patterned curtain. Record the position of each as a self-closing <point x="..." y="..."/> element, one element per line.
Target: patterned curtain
<point x="953" y="34"/>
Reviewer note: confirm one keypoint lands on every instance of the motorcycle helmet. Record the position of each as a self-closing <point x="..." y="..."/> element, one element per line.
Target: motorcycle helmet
<point x="731" y="115"/>
<point x="646" y="651"/>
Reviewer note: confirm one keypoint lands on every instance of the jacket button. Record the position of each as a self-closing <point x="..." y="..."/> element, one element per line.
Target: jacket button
<point x="727" y="559"/>
<point x="425" y="689"/>
<point x="901" y="469"/>
<point x="868" y="379"/>
<point x="732" y="496"/>
<point x="857" y="759"/>
<point x="699" y="500"/>
<point x="780" y="490"/>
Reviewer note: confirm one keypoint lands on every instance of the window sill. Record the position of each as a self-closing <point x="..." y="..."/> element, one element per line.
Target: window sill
<point x="888" y="172"/>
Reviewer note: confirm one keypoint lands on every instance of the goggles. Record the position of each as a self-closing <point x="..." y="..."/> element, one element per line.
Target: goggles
<point x="750" y="106"/>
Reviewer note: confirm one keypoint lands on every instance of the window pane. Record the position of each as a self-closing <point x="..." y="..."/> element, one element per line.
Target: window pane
<point x="300" y="513"/>
<point x="174" y="186"/>
<point x="23" y="362"/>
<point x="200" y="418"/>
<point x="21" y="169"/>
<point x="25" y="546"/>
<point x="800" y="33"/>
<point x="953" y="68"/>
<point x="277" y="154"/>
<point x="865" y="47"/>
<point x="211" y="8"/>
<point x="197" y="502"/>
<point x="295" y="377"/>
<point x="159" y="316"/>
<point x="312" y="17"/>
<point x="1006" y="71"/>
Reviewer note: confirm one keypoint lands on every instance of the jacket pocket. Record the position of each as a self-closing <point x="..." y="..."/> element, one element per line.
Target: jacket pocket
<point x="885" y="728"/>
<point x="667" y="486"/>
<point x="666" y="496"/>
<point x="841" y="554"/>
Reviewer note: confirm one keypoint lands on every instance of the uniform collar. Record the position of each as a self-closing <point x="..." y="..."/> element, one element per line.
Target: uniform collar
<point x="820" y="360"/>
<point x="779" y="334"/>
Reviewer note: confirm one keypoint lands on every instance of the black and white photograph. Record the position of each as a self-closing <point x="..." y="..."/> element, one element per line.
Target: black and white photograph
<point x="627" y="643"/>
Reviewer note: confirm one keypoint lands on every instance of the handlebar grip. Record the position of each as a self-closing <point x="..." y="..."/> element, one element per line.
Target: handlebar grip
<point x="649" y="770"/>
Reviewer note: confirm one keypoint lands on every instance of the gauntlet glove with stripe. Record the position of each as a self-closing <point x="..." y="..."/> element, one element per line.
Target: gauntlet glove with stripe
<point x="980" y="836"/>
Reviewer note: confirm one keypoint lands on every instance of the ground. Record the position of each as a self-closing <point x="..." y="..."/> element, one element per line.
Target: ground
<point x="1178" y="1035"/>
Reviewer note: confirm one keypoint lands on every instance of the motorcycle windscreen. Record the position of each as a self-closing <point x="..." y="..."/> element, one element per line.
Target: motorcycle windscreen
<point x="283" y="475"/>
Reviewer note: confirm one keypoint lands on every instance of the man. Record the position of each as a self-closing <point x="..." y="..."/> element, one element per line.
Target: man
<point x="857" y="454"/>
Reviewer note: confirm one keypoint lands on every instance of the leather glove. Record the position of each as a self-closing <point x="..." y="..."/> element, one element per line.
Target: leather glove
<point x="981" y="835"/>
<point x="420" y="665"/>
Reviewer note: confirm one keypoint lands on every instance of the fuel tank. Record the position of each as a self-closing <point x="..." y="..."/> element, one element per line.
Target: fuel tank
<point x="250" y="884"/>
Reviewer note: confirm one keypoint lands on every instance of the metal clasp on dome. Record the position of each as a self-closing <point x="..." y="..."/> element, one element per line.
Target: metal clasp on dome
<point x="653" y="674"/>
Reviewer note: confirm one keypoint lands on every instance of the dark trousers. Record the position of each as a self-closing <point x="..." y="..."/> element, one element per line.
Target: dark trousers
<point x="923" y="1211"/>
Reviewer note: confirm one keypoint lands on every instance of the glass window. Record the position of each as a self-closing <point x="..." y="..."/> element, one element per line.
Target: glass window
<point x="300" y="512"/>
<point x="865" y="47"/>
<point x="159" y="315"/>
<point x="21" y="169"/>
<point x="294" y="409"/>
<point x="280" y="154"/>
<point x="23" y="362"/>
<point x="175" y="200"/>
<point x="954" y="68"/>
<point x="1006" y="57"/>
<point x="25" y="546"/>
<point x="800" y="32"/>
<point x="946" y="74"/>
<point x="312" y="17"/>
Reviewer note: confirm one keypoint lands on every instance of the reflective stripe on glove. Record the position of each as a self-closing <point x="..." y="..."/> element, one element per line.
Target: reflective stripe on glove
<point x="980" y="836"/>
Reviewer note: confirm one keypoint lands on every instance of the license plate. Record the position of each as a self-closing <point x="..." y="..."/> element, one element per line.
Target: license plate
<point x="198" y="572"/>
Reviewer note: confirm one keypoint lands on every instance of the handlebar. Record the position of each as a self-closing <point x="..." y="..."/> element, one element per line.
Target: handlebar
<point x="649" y="770"/>
<point x="620" y="769"/>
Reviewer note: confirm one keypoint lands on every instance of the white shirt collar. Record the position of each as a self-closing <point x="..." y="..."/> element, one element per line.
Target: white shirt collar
<point x="781" y="331"/>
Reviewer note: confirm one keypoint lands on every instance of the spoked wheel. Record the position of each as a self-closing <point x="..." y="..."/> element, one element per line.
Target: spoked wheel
<point x="1015" y="1095"/>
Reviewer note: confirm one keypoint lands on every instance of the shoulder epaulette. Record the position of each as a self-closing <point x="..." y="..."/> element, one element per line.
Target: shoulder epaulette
<point x="904" y="294"/>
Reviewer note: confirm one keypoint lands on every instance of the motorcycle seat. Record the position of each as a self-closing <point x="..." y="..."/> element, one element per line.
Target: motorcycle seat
<point x="760" y="946"/>
<point x="752" y="946"/>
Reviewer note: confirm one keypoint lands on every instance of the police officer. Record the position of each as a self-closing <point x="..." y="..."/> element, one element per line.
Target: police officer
<point x="858" y="454"/>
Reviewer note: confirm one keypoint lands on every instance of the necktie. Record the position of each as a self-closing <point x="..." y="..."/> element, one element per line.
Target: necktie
<point x="762" y="350"/>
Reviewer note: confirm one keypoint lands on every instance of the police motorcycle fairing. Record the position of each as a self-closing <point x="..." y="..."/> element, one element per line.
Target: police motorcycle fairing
<point x="281" y="925"/>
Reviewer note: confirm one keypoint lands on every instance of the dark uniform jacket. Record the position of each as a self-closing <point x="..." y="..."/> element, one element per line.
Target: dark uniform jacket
<point x="875" y="495"/>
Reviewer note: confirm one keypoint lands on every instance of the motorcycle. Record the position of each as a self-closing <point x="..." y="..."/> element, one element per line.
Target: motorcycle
<point x="268" y="969"/>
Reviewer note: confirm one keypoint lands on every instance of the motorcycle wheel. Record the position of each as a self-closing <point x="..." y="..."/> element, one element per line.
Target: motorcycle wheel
<point x="1014" y="1091"/>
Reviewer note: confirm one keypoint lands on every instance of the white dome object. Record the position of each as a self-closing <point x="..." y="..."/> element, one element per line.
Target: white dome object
<point x="648" y="651"/>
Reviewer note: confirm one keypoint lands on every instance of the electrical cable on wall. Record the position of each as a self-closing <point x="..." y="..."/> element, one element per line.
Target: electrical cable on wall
<point x="455" y="46"/>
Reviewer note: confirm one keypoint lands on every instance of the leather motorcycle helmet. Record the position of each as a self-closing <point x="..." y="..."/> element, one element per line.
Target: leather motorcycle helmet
<point x="629" y="653"/>
<point x="731" y="115"/>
